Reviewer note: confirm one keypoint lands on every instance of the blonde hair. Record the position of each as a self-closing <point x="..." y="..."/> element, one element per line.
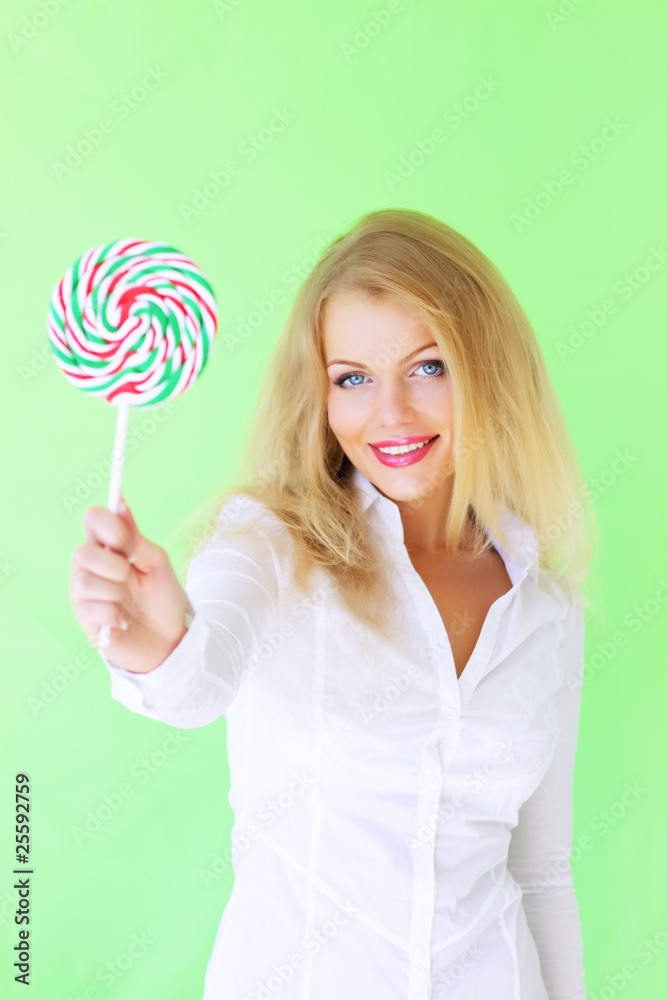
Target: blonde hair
<point x="511" y="448"/>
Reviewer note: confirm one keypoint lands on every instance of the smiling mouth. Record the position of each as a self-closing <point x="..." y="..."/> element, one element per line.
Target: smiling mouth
<point x="404" y="449"/>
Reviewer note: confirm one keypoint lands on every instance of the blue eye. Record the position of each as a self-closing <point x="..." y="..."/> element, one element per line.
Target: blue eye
<point x="344" y="378"/>
<point x="440" y="365"/>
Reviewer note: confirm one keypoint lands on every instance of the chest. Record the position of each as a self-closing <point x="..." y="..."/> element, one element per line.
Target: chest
<point x="463" y="593"/>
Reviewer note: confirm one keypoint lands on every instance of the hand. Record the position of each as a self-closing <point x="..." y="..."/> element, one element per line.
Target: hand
<point x="132" y="588"/>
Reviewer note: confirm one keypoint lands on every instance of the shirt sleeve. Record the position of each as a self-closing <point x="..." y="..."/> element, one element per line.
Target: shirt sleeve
<point x="233" y="594"/>
<point x="541" y="844"/>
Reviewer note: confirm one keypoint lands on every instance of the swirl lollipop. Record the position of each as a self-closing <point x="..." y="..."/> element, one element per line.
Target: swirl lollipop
<point x="133" y="322"/>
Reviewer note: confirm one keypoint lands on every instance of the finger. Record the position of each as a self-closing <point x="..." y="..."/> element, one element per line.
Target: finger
<point x="92" y="614"/>
<point x="94" y="590"/>
<point x="85" y="586"/>
<point x="103" y="527"/>
<point x="94" y="634"/>
<point x="102" y="562"/>
<point x="122" y="535"/>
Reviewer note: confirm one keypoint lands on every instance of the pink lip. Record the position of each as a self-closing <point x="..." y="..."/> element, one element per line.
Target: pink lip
<point x="396" y="442"/>
<point x="397" y="461"/>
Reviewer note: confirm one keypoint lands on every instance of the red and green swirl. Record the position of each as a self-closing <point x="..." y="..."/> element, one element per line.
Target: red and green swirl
<point x="132" y="321"/>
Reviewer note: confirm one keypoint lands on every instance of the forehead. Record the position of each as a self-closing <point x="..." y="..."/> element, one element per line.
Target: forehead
<point x="355" y="317"/>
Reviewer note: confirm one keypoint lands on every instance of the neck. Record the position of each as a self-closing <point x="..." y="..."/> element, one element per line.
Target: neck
<point x="424" y="523"/>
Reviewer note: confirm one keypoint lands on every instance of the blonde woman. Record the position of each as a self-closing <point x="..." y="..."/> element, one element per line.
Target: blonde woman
<point x="387" y="608"/>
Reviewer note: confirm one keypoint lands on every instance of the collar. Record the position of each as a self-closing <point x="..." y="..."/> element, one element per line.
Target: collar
<point x="518" y="531"/>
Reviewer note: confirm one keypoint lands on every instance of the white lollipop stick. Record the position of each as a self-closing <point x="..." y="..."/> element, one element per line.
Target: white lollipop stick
<point x="114" y="487"/>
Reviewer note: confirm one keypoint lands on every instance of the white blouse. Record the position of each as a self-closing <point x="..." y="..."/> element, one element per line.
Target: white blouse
<point x="400" y="833"/>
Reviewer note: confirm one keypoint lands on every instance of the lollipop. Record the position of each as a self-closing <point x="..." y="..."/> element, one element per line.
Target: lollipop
<point x="133" y="322"/>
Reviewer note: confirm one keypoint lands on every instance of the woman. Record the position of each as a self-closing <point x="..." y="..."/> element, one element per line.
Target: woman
<point x="388" y="612"/>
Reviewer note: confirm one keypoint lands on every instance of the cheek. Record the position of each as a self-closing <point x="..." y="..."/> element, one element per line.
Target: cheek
<point x="440" y="403"/>
<point x="345" y="414"/>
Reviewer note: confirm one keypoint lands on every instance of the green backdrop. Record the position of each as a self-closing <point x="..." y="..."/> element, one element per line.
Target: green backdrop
<point x="248" y="133"/>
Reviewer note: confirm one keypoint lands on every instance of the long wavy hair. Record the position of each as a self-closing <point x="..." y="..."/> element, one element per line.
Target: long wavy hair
<point x="511" y="449"/>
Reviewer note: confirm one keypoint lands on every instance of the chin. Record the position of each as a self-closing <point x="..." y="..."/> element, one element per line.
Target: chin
<point x="400" y="484"/>
<point x="416" y="493"/>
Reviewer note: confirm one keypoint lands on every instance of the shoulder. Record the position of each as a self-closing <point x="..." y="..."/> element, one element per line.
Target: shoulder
<point x="568" y="614"/>
<point x="567" y="602"/>
<point x="247" y="525"/>
<point x="557" y="604"/>
<point x="240" y="511"/>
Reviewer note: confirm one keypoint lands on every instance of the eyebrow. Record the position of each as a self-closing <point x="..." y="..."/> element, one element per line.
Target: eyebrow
<point x="357" y="364"/>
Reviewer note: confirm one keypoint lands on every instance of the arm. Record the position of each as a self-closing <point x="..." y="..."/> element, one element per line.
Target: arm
<point x="539" y="853"/>
<point x="232" y="589"/>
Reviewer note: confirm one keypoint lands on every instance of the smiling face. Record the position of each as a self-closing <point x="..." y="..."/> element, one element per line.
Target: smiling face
<point x="389" y="388"/>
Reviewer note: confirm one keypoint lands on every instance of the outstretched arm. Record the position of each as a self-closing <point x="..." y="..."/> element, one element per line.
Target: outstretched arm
<point x="232" y="589"/>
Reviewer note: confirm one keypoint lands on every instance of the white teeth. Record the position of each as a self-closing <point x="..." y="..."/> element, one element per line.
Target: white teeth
<point x="403" y="449"/>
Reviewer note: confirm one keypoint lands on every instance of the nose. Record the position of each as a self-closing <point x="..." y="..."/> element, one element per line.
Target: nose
<point x="393" y="406"/>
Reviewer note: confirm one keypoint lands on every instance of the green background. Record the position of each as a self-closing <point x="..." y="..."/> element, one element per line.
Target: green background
<point x="364" y="100"/>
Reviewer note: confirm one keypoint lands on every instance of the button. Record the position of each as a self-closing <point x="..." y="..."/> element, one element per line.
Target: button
<point x="420" y="971"/>
<point x="432" y="779"/>
<point x="451" y="713"/>
<point x="425" y="910"/>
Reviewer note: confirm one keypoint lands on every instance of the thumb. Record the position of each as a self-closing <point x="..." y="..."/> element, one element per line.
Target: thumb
<point x="144" y="553"/>
<point x="128" y="517"/>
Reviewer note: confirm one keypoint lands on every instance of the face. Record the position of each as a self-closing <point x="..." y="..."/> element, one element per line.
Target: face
<point x="388" y="389"/>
